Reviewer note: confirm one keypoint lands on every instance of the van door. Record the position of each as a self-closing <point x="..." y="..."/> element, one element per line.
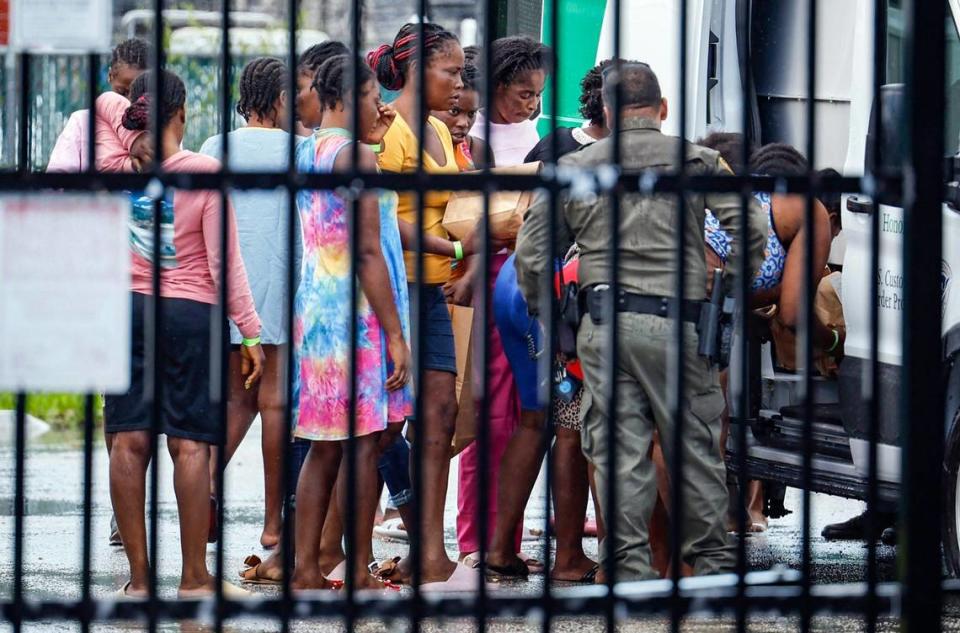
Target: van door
<point x="857" y="271"/>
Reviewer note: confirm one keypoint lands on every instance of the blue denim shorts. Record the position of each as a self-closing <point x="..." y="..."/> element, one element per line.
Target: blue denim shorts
<point x="438" y="352"/>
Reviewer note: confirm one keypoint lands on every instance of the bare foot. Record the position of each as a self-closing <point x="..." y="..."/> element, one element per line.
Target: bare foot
<point x="437" y="571"/>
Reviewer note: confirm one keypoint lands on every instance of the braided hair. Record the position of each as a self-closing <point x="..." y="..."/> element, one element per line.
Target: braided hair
<point x="515" y="55"/>
<point x="591" y="93"/>
<point x="778" y="159"/>
<point x="173" y="97"/>
<point x="390" y="62"/>
<point x="261" y="83"/>
<point x="334" y="79"/>
<point x="312" y="58"/>
<point x="133" y="52"/>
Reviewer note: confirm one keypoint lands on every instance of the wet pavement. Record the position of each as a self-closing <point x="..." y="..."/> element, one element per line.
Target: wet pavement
<point x="53" y="527"/>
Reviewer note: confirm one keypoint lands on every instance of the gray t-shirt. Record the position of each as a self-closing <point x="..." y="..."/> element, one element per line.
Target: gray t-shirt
<point x="262" y="220"/>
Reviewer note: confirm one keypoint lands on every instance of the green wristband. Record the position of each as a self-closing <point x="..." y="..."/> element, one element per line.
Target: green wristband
<point x="376" y="148"/>
<point x="250" y="342"/>
<point x="458" y="250"/>
<point x="836" y="340"/>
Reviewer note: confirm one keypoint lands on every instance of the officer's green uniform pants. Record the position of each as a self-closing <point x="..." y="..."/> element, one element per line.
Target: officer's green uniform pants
<point x="645" y="369"/>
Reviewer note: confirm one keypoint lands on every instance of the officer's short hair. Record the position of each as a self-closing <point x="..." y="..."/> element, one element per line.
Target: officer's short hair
<point x="639" y="86"/>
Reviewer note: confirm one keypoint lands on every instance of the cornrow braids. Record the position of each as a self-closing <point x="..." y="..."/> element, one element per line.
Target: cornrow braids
<point x="591" y="93"/>
<point x="132" y="52"/>
<point x="778" y="159"/>
<point x="334" y="80"/>
<point x="471" y="76"/>
<point x="312" y="58"/>
<point x="515" y="55"/>
<point x="173" y="97"/>
<point x="390" y="62"/>
<point x="261" y="84"/>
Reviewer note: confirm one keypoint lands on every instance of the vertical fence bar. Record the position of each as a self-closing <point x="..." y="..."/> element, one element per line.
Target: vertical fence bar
<point x="93" y="67"/>
<point x="19" y="498"/>
<point x="680" y="291"/>
<point x="872" y="384"/>
<point x="739" y="385"/>
<point x="219" y="326"/>
<point x="922" y="388"/>
<point x="416" y="544"/>
<point x="614" y="342"/>
<point x="292" y="189"/>
<point x="86" y="606"/>
<point x="348" y="514"/>
<point x="549" y="339"/>
<point x="483" y="428"/>
<point x="23" y="142"/>
<point x="155" y="331"/>
<point x="807" y="320"/>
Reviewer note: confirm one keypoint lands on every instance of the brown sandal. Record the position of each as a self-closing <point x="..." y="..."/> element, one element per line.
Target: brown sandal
<point x="388" y="571"/>
<point x="250" y="575"/>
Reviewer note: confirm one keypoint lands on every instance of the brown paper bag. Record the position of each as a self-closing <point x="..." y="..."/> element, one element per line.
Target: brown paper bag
<point x="829" y="310"/>
<point x="465" y="430"/>
<point x="506" y="207"/>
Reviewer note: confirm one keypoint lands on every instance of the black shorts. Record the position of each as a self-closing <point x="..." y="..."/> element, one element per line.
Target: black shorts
<point x="185" y="365"/>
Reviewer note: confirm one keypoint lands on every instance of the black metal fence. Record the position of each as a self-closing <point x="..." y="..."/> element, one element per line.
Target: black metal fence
<point x="917" y="593"/>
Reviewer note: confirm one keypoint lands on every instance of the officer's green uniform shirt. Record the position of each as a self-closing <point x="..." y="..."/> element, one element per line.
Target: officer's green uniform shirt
<point x="647" y="232"/>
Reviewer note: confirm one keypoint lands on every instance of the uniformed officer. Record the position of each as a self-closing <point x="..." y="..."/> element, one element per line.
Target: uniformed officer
<point x="647" y="274"/>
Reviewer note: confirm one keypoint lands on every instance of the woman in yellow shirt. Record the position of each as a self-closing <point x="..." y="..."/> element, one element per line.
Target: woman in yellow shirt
<point x="396" y="69"/>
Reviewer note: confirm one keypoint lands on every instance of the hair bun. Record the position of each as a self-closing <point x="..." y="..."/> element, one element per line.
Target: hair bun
<point x="384" y="65"/>
<point x="137" y="115"/>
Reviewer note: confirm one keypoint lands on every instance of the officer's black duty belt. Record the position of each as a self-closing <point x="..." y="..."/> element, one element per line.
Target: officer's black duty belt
<point x="596" y="300"/>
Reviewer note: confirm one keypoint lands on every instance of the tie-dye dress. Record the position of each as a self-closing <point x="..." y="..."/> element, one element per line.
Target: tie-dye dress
<point x="321" y="390"/>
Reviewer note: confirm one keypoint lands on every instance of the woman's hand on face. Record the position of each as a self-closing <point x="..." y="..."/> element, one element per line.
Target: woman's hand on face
<point x="386" y="115"/>
<point x="399" y="354"/>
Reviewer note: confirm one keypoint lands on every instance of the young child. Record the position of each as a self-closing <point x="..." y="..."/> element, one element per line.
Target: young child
<point x="459" y="119"/>
<point x="118" y="149"/>
<point x="321" y="398"/>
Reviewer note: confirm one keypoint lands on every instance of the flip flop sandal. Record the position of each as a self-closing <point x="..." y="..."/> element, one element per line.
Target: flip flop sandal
<point x="471" y="560"/>
<point x="463" y="579"/>
<point x="250" y="575"/>
<point x="392" y="530"/>
<point x="338" y="573"/>
<point x="516" y="569"/>
<point x="534" y="566"/>
<point x="590" y="577"/>
<point x="385" y="570"/>
<point x="230" y="591"/>
<point x="122" y="595"/>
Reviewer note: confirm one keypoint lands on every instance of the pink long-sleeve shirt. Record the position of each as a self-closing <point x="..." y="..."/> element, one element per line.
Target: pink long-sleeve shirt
<point x="112" y="139"/>
<point x="191" y="263"/>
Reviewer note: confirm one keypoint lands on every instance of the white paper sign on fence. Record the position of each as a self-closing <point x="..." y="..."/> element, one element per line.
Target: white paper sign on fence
<point x="64" y="292"/>
<point x="64" y="26"/>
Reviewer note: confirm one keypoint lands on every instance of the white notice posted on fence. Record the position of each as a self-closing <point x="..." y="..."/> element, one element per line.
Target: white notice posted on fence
<point x="50" y="26"/>
<point x="65" y="292"/>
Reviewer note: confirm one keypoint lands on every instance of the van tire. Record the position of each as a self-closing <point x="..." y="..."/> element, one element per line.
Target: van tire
<point x="951" y="467"/>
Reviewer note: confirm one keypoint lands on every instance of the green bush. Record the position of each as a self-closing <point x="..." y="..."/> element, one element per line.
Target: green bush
<point x="60" y="410"/>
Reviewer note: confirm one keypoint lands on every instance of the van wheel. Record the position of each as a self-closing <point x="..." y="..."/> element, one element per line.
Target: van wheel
<point x="951" y="486"/>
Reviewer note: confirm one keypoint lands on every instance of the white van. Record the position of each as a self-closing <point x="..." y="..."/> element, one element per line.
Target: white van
<point x="777" y="32"/>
